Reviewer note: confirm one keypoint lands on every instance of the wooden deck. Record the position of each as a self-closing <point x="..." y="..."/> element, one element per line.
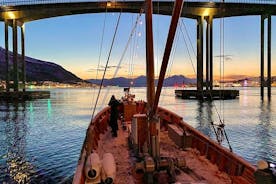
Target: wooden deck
<point x="210" y="95"/>
<point x="198" y="170"/>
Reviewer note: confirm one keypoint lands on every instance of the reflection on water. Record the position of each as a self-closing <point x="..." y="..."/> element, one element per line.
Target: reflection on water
<point x="18" y="169"/>
<point x="49" y="108"/>
<point x="205" y="117"/>
<point x="31" y="149"/>
<point x="40" y="141"/>
<point x="264" y="132"/>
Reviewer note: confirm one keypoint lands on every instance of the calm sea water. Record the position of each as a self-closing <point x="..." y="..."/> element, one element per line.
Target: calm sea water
<point x="40" y="140"/>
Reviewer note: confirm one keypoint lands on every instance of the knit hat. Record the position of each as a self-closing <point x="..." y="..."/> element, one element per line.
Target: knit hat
<point x="262" y="164"/>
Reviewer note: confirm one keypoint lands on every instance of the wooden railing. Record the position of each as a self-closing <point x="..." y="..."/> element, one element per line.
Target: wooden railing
<point x="240" y="170"/>
<point x="97" y="126"/>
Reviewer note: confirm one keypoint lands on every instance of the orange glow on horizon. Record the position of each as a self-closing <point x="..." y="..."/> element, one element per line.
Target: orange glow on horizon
<point x="233" y="70"/>
<point x="231" y="75"/>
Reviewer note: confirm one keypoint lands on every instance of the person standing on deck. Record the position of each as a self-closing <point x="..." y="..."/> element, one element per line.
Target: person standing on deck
<point x="113" y="103"/>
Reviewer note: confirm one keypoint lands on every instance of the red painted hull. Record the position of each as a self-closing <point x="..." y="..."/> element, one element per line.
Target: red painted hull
<point x="239" y="170"/>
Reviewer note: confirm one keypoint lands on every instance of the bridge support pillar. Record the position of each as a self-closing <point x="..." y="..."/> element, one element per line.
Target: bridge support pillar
<point x="200" y="57"/>
<point x="23" y="57"/>
<point x="15" y="72"/>
<point x="7" y="56"/>
<point x="269" y="57"/>
<point x="15" y="55"/>
<point x="266" y="83"/>
<point x="262" y="57"/>
<point x="209" y="53"/>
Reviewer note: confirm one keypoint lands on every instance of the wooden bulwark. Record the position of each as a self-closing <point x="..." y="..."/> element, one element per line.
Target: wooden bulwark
<point x="239" y="169"/>
<point x="97" y="126"/>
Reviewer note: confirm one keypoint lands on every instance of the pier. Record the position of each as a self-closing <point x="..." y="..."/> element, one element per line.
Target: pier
<point x="23" y="95"/>
<point x="207" y="94"/>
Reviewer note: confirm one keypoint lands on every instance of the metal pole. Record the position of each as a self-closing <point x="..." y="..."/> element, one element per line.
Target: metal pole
<point x="15" y="60"/>
<point x="269" y="57"/>
<point x="207" y="52"/>
<point x="149" y="55"/>
<point x="7" y="55"/>
<point x="211" y="52"/>
<point x="262" y="56"/>
<point x="23" y="57"/>
<point x="199" y="57"/>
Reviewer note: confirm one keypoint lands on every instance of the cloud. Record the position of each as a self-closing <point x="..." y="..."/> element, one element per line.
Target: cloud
<point x="109" y="67"/>
<point x="102" y="68"/>
<point x="226" y="57"/>
<point x="94" y="70"/>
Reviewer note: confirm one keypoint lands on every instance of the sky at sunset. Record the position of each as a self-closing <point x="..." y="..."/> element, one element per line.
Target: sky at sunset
<point x="74" y="43"/>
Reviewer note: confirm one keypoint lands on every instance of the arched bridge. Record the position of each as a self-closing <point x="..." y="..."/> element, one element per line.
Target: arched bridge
<point x="29" y="10"/>
<point x="17" y="12"/>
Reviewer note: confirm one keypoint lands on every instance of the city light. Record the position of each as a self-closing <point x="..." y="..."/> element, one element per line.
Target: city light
<point x="206" y="12"/>
<point x="108" y="4"/>
<point x="10" y="15"/>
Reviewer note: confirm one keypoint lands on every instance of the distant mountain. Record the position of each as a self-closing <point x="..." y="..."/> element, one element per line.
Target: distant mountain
<point x="255" y="79"/>
<point x="141" y="81"/>
<point x="37" y="70"/>
<point x="178" y="79"/>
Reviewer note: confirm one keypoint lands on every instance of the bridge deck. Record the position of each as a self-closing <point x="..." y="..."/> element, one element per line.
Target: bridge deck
<point x="30" y="12"/>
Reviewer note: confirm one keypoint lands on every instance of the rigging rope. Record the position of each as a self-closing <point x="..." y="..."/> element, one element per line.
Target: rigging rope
<point x="220" y="63"/>
<point x="189" y="38"/>
<point x="173" y="53"/>
<point x="193" y="64"/>
<point x="220" y="132"/>
<point x="132" y="43"/>
<point x="124" y="52"/>
<point x="223" y="59"/>
<point x="221" y="126"/>
<point x="158" y="36"/>
<point x="135" y="45"/>
<point x="169" y="68"/>
<point x="101" y="47"/>
<point x="168" y="73"/>
<point x="113" y="39"/>
<point x="188" y="51"/>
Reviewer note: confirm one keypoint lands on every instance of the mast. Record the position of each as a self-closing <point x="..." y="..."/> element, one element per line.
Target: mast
<point x="152" y="98"/>
<point x="149" y="55"/>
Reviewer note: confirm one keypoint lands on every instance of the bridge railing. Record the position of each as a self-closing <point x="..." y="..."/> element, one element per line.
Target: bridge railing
<point x="34" y="2"/>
